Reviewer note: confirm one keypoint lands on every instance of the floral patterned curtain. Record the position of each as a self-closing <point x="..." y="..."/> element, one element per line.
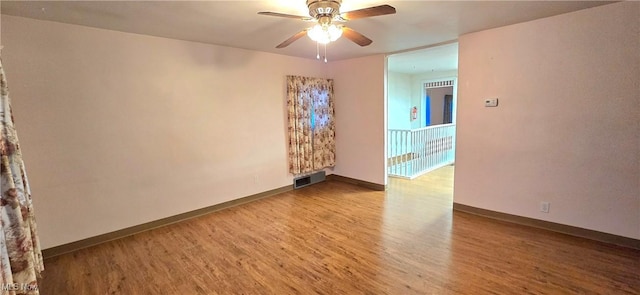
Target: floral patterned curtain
<point x="324" y="145"/>
<point x="311" y="124"/>
<point x="20" y="254"/>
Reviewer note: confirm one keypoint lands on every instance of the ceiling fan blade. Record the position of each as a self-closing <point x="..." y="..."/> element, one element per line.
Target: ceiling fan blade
<point x="355" y="37"/>
<point x="368" y="12"/>
<point x="277" y="14"/>
<point x="292" y="39"/>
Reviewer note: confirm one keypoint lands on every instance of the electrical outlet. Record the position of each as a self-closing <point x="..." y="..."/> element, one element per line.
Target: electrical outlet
<point x="544" y="207"/>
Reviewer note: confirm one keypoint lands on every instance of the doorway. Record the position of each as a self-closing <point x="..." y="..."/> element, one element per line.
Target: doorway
<point x="438" y="105"/>
<point x="422" y="81"/>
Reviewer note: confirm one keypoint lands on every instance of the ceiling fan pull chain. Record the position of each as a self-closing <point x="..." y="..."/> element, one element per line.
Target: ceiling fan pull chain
<point x="318" y="50"/>
<point x="325" y="52"/>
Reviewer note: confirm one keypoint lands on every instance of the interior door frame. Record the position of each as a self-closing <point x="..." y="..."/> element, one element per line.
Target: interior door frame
<point x="430" y="83"/>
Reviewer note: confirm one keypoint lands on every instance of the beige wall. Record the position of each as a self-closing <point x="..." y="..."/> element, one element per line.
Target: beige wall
<point x="119" y="129"/>
<point x="567" y="126"/>
<point x="360" y="117"/>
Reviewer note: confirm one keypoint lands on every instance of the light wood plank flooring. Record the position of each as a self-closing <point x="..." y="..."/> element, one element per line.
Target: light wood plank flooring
<point x="337" y="238"/>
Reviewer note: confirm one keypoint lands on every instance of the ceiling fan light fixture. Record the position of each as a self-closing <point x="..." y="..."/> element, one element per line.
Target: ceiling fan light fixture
<point x="324" y="34"/>
<point x="325" y="12"/>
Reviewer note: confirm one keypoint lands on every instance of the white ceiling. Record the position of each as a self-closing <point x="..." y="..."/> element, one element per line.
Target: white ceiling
<point x="434" y="59"/>
<point x="417" y="24"/>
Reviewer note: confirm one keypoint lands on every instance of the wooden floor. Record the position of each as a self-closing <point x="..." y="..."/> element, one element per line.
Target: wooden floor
<point x="336" y="238"/>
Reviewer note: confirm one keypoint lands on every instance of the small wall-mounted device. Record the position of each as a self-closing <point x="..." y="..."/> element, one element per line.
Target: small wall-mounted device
<point x="544" y="207"/>
<point x="491" y="102"/>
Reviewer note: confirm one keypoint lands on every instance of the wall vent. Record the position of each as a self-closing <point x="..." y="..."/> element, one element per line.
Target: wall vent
<point x="307" y="180"/>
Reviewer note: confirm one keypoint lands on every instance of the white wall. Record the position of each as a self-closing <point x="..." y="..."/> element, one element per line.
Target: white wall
<point x="399" y="100"/>
<point x="119" y="129"/>
<point x="567" y="127"/>
<point x="360" y="117"/>
<point x="417" y="91"/>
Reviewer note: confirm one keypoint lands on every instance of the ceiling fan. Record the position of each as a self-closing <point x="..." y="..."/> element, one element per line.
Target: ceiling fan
<point x="329" y="22"/>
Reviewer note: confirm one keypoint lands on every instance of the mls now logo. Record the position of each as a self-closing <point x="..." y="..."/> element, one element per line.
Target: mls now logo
<point x="18" y="287"/>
